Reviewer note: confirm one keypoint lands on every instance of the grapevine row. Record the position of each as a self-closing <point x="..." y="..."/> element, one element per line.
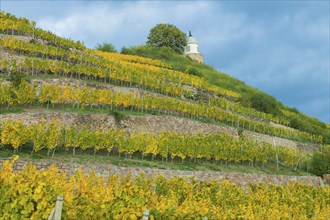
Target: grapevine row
<point x="237" y="107"/>
<point x="21" y="26"/>
<point x="40" y="49"/>
<point x="35" y="48"/>
<point x="168" y="145"/>
<point x="117" y="57"/>
<point x="31" y="194"/>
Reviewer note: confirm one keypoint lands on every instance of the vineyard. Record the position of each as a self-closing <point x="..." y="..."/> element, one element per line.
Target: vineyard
<point x="125" y="70"/>
<point x="41" y="71"/>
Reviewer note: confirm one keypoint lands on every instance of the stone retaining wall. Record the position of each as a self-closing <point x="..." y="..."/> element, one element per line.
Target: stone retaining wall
<point x="240" y="179"/>
<point x="269" y="139"/>
<point x="130" y="123"/>
<point x="307" y="147"/>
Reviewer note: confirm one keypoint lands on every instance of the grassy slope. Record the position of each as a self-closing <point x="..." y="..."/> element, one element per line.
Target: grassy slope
<point x="185" y="64"/>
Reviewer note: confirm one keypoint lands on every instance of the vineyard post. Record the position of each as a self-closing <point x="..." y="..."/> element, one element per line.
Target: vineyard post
<point x="57" y="211"/>
<point x="276" y="152"/>
<point x="145" y="215"/>
<point x="297" y="164"/>
<point x="166" y="153"/>
<point x="33" y="27"/>
<point x="32" y="67"/>
<point x="195" y="153"/>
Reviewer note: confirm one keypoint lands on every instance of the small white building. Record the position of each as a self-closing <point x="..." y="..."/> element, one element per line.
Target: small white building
<point x="192" y="49"/>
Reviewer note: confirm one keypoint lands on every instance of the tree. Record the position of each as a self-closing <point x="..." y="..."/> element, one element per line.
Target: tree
<point x="106" y="47"/>
<point x="167" y="35"/>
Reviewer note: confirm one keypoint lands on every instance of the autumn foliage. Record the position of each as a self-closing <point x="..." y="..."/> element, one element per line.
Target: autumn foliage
<point x="32" y="194"/>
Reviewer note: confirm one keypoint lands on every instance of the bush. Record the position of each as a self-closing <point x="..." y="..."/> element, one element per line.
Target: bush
<point x="106" y="47"/>
<point x="117" y="115"/>
<point x="261" y="102"/>
<point x="321" y="162"/>
<point x="194" y="71"/>
<point x="309" y="126"/>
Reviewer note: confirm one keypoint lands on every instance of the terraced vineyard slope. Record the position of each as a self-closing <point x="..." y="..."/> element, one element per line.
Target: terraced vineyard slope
<point x="61" y="101"/>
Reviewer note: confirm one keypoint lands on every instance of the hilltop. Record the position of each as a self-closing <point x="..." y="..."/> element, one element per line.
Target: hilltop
<point x="58" y="97"/>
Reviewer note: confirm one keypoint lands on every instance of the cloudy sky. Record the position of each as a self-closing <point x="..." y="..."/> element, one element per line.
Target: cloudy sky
<point x="280" y="47"/>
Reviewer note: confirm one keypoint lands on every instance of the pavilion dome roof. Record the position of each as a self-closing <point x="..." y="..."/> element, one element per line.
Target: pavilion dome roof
<point x="191" y="40"/>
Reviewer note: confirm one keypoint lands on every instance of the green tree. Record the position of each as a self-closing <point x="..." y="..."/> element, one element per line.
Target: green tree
<point x="106" y="47"/>
<point x="167" y="35"/>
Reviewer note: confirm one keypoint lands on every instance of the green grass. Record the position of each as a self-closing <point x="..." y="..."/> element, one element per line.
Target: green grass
<point x="15" y="110"/>
<point x="87" y="110"/>
<point x="68" y="108"/>
<point x="101" y="158"/>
